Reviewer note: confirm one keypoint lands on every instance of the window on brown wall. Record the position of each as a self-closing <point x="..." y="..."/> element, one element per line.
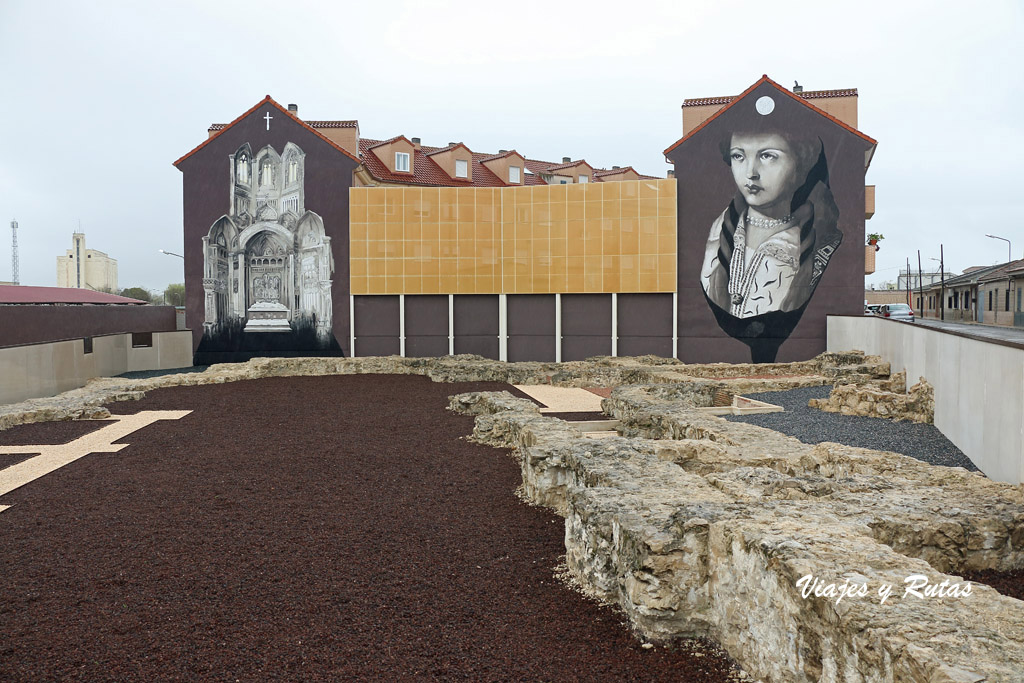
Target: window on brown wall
<point x="1007" y="300"/>
<point x="990" y="299"/>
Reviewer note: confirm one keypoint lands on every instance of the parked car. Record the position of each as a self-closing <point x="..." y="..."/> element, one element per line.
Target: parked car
<point x="897" y="312"/>
<point x="871" y="309"/>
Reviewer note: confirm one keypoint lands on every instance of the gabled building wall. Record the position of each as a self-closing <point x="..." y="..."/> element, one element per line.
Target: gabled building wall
<point x="706" y="191"/>
<point x="208" y="191"/>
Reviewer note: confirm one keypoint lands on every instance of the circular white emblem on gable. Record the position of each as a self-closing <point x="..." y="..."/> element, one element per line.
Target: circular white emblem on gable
<point x="764" y="105"/>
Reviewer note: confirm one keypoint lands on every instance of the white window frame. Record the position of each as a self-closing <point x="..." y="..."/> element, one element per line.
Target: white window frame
<point x="465" y="168"/>
<point x="514" y="175"/>
<point x="402" y="158"/>
<point x="584" y="179"/>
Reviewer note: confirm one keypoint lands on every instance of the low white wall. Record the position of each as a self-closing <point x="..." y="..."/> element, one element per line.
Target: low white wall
<point x="979" y="385"/>
<point x="35" y="370"/>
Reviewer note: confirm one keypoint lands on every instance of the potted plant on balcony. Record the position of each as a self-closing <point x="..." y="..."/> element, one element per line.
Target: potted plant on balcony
<point x="874" y="238"/>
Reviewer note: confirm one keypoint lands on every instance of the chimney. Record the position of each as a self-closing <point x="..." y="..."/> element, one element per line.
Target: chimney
<point x="502" y="151"/>
<point x="615" y="168"/>
<point x="566" y="160"/>
<point x="670" y="174"/>
<point x="797" y="87"/>
<point x="416" y="143"/>
<point x="294" y="109"/>
<point x="452" y="144"/>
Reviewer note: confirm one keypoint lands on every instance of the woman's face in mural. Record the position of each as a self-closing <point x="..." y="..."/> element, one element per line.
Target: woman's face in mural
<point x="764" y="167"/>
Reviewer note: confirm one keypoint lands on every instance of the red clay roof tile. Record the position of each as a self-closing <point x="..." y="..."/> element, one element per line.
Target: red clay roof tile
<point x="15" y="294"/>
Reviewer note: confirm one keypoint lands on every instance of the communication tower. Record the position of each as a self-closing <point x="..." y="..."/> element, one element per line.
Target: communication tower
<point x="14" y="252"/>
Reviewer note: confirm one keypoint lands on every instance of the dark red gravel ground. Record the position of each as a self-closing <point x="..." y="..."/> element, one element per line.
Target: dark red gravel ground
<point x="1008" y="583"/>
<point x="316" y="528"/>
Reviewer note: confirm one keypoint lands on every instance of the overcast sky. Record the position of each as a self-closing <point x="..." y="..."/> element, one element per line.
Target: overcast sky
<point x="100" y="98"/>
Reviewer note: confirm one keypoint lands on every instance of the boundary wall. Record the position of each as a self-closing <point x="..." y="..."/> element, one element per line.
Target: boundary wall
<point x="979" y="385"/>
<point x="45" y="369"/>
<point x="31" y="323"/>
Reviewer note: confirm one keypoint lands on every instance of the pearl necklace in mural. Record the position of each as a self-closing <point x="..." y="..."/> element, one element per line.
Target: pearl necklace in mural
<point x="768" y="222"/>
<point x="740" y="276"/>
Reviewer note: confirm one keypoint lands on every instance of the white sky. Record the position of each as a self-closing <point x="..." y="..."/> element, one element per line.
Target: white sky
<point x="100" y="98"/>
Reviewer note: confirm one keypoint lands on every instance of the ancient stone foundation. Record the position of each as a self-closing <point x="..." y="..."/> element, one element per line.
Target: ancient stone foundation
<point x="886" y="398"/>
<point x="695" y="526"/>
<point x="602" y="371"/>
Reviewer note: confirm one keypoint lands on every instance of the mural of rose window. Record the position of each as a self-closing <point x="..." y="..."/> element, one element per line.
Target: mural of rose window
<point x="767" y="250"/>
<point x="267" y="262"/>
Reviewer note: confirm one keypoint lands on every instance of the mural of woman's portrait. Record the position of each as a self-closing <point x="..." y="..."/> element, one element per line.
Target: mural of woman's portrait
<point x="768" y="249"/>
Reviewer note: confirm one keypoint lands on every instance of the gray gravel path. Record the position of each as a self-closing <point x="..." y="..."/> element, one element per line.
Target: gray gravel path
<point x="920" y="441"/>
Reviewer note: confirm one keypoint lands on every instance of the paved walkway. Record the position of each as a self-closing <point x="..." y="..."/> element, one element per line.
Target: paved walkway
<point x="1012" y="335"/>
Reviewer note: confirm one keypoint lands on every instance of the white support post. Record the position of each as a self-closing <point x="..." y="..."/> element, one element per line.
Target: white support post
<point x="615" y="324"/>
<point x="558" y="328"/>
<point x="451" y="324"/>
<point x="352" y="325"/>
<point x="401" y="325"/>
<point x="675" y="324"/>
<point x="503" y="327"/>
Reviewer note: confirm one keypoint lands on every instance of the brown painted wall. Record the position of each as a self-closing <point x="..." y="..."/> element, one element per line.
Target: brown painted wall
<point x="206" y="178"/>
<point x="705" y="188"/>
<point x="644" y="325"/>
<point x="28" y="324"/>
<point x="426" y="326"/>
<point x="586" y="326"/>
<point x="531" y="327"/>
<point x="476" y="324"/>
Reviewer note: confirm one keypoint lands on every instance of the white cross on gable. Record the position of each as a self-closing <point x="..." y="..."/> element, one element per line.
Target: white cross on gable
<point x="267" y="118"/>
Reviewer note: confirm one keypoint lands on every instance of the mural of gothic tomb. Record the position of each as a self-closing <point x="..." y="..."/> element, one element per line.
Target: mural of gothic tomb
<point x="267" y="263"/>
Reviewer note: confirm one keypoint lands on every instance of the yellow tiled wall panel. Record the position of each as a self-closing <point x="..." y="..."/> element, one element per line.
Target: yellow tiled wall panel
<point x="594" y="237"/>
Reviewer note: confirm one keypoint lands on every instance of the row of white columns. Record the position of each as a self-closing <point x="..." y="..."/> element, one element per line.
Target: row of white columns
<point x="503" y="325"/>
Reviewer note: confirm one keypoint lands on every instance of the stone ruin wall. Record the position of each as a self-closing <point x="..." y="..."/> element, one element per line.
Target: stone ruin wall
<point x="695" y="526"/>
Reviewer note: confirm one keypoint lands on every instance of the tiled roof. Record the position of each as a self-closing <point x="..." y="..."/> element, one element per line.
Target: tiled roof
<point x="427" y="172"/>
<point x="600" y="173"/>
<point x="1001" y="271"/>
<point x="764" y="79"/>
<point x="267" y="100"/>
<point x="314" y="124"/>
<point x="502" y="155"/>
<point x="558" y="167"/>
<point x="389" y="141"/>
<point x="969" y="278"/>
<point x="807" y="95"/>
<point x="14" y="294"/>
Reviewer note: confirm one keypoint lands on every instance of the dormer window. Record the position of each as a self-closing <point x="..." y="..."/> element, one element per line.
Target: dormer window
<point x="402" y="161"/>
<point x="243" y="169"/>
<point x="461" y="168"/>
<point x="584" y="179"/>
<point x="513" y="175"/>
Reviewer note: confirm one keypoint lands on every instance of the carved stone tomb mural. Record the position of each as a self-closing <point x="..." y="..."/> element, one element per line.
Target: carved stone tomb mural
<point x="267" y="262"/>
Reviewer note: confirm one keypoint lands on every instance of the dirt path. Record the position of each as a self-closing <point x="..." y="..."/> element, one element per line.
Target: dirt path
<point x="315" y="528"/>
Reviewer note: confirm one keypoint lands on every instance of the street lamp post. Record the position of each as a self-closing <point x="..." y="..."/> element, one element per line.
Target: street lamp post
<point x="171" y="253"/>
<point x="1009" y="247"/>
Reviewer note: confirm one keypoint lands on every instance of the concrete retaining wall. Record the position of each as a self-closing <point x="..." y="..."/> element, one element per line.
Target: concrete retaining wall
<point x="35" y="370"/>
<point x="979" y="385"/>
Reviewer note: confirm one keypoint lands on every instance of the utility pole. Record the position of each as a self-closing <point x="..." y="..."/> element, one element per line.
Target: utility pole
<point x="910" y="300"/>
<point x="920" y="283"/>
<point x="942" y="287"/>
<point x="15" y="277"/>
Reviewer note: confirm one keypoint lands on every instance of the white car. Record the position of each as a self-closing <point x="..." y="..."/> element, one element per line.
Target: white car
<point x="897" y="312"/>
